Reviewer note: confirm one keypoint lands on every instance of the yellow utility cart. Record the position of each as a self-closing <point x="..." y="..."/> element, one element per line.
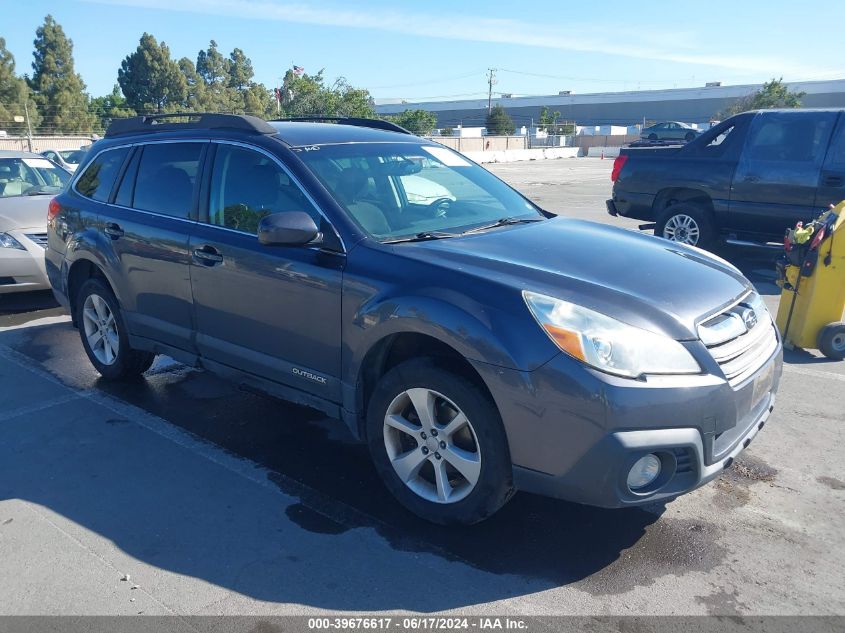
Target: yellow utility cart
<point x="812" y="276"/>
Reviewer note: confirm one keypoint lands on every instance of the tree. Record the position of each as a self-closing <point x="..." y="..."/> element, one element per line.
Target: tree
<point x="59" y="90"/>
<point x="195" y="98"/>
<point x="499" y="122"/>
<point x="773" y="94"/>
<point x="112" y="106"/>
<point x="240" y="71"/>
<point x="548" y="120"/>
<point x="420" y="122"/>
<point x="308" y="95"/>
<point x="213" y="68"/>
<point x="14" y="93"/>
<point x="151" y="80"/>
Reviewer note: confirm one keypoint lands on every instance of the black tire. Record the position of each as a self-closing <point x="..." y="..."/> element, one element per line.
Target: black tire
<point x="700" y="216"/>
<point x="832" y="340"/>
<point x="652" y="137"/>
<point x="689" y="136"/>
<point x="128" y="363"/>
<point x="494" y="485"/>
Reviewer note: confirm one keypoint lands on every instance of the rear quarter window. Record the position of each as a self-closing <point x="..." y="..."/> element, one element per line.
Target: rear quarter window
<point x="97" y="181"/>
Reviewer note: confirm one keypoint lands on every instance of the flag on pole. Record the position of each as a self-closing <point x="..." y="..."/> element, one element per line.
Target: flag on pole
<point x="298" y="70"/>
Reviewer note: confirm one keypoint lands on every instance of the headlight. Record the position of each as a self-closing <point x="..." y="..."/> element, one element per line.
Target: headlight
<point x="7" y="241"/>
<point x="607" y="344"/>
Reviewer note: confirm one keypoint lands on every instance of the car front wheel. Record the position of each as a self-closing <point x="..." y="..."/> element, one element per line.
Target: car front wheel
<point x="438" y="443"/>
<point x="103" y="334"/>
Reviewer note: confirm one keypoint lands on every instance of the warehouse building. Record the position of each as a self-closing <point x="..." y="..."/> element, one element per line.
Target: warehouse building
<point x="690" y="105"/>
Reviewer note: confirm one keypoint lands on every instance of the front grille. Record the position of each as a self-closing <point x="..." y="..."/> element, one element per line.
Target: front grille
<point x="38" y="238"/>
<point x="741" y="339"/>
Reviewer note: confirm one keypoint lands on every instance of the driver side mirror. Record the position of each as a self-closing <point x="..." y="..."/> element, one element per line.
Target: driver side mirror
<point x="288" y="228"/>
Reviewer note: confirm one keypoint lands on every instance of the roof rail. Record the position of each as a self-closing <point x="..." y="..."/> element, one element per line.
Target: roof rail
<point x="194" y="121"/>
<point x="378" y="124"/>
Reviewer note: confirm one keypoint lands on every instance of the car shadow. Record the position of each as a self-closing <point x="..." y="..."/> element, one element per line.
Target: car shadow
<point x="22" y="307"/>
<point x="256" y="545"/>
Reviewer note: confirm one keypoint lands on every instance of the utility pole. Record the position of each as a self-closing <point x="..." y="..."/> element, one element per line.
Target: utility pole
<point x="491" y="80"/>
<point x="28" y="126"/>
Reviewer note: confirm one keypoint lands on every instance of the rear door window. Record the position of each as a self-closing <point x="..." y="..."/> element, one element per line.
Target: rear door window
<point x="790" y="137"/>
<point x="167" y="178"/>
<point x="98" y="178"/>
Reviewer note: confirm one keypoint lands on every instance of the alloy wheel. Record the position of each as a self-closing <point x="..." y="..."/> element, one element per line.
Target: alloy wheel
<point x="432" y="446"/>
<point x="100" y="329"/>
<point x="682" y="228"/>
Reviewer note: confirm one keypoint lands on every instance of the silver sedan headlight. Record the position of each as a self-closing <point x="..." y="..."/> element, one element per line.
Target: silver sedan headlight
<point x="607" y="344"/>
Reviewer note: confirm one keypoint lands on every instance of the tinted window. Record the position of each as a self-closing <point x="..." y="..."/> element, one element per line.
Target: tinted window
<point x="98" y="179"/>
<point x="795" y="138"/>
<point x="167" y="174"/>
<point x="246" y="186"/>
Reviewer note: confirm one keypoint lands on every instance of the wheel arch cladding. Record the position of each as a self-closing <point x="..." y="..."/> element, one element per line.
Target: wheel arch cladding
<point x="395" y="348"/>
<point x="673" y="195"/>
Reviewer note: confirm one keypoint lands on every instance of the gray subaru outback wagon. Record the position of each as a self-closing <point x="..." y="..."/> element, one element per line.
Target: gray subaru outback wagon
<point x="477" y="343"/>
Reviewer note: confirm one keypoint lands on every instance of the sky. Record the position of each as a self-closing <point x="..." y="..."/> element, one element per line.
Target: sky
<point x="442" y="49"/>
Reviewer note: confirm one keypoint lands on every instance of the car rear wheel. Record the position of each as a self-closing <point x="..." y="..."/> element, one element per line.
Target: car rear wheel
<point x="438" y="443"/>
<point x="832" y="341"/>
<point x="686" y="223"/>
<point x="103" y="334"/>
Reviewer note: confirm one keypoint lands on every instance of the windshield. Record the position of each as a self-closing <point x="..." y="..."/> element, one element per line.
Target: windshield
<point x="398" y="190"/>
<point x="30" y="177"/>
<point x="73" y="156"/>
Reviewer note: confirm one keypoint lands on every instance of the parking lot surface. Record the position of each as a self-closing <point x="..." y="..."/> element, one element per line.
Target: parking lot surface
<point x="183" y="494"/>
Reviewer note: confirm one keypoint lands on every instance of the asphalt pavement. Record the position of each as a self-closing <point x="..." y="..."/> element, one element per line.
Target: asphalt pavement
<point x="182" y="494"/>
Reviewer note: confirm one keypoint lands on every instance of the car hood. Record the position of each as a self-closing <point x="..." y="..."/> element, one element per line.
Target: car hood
<point x="24" y="212"/>
<point x="639" y="279"/>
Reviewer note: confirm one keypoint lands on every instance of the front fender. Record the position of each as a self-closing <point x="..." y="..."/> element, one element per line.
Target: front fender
<point x="480" y="333"/>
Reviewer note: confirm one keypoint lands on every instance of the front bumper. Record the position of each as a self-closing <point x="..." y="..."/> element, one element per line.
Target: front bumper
<point x="22" y="270"/>
<point x="574" y="433"/>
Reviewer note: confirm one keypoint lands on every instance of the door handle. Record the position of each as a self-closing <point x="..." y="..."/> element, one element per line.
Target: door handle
<point x="207" y="256"/>
<point x="113" y="230"/>
<point x="832" y="181"/>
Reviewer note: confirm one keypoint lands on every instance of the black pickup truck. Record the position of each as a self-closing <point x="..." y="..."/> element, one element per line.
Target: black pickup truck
<point x="745" y="180"/>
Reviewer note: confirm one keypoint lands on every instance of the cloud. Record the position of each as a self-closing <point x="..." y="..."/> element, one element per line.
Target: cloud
<point x="479" y="29"/>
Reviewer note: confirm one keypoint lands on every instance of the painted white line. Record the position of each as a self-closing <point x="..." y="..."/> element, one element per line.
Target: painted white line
<point x="64" y="318"/>
<point x="815" y="373"/>
<point x="40" y="406"/>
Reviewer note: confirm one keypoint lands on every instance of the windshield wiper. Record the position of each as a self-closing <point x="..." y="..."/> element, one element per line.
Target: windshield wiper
<point x="501" y="222"/>
<point x="422" y="237"/>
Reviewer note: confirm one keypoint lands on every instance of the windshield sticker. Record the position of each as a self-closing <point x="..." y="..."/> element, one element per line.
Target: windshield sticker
<point x="447" y="156"/>
<point x="38" y="163"/>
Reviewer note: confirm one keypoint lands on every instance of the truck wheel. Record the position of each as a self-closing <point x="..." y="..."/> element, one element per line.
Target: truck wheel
<point x="103" y="334"/>
<point x="686" y="223"/>
<point x="438" y="443"/>
<point x="832" y="340"/>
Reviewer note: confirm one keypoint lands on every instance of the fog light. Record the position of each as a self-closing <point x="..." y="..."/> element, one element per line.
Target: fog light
<point x="644" y="472"/>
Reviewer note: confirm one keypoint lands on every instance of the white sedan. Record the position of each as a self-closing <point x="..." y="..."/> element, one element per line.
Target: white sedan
<point x="27" y="184"/>
<point x="67" y="158"/>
